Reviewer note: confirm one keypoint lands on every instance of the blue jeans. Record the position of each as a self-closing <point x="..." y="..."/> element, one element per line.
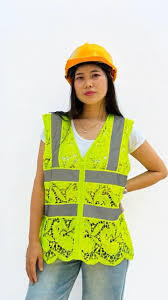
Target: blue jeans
<point x="99" y="282"/>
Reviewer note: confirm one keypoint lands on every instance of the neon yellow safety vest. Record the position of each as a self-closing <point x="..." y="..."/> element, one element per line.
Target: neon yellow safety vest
<point x="82" y="219"/>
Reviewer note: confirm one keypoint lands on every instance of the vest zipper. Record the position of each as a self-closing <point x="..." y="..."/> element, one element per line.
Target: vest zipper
<point x="80" y="207"/>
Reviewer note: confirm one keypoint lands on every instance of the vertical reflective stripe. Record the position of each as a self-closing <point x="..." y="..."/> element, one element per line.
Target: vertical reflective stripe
<point x="56" y="123"/>
<point x="115" y="143"/>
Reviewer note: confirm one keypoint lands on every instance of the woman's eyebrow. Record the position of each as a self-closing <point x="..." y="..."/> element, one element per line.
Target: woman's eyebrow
<point x="90" y="71"/>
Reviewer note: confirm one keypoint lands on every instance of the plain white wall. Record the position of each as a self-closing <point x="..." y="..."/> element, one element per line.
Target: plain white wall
<point x="37" y="37"/>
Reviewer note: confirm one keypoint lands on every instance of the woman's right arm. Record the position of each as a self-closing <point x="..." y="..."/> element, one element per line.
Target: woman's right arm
<point x="34" y="249"/>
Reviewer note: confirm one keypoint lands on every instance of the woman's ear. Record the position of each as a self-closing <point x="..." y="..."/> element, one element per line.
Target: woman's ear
<point x="112" y="73"/>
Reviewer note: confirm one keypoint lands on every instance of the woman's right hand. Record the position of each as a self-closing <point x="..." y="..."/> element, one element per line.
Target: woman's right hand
<point x="33" y="255"/>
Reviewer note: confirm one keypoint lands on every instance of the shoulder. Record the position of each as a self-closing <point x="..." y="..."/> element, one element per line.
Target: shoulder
<point x="124" y="119"/>
<point x="136" y="138"/>
<point x="56" y="115"/>
<point x="129" y="121"/>
<point x="46" y="116"/>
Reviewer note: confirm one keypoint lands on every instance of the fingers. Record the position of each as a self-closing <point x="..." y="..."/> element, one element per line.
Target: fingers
<point x="28" y="271"/>
<point x="40" y="263"/>
<point x="31" y="270"/>
<point x="31" y="267"/>
<point x="34" y="253"/>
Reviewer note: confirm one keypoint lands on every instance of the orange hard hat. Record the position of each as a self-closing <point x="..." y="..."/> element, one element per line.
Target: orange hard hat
<point x="90" y="52"/>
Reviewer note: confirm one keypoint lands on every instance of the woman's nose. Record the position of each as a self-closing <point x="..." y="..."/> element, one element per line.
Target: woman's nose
<point x="88" y="83"/>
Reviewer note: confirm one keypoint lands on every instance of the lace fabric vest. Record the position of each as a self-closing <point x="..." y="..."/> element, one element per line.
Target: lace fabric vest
<point x="82" y="219"/>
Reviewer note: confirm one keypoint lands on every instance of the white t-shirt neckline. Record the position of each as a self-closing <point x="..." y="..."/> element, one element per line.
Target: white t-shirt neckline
<point x="79" y="137"/>
<point x="135" y="140"/>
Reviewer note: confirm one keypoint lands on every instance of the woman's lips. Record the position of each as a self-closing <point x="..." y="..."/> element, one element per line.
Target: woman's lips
<point x="89" y="93"/>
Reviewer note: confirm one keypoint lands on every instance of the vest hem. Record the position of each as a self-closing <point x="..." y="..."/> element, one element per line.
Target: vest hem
<point x="59" y="257"/>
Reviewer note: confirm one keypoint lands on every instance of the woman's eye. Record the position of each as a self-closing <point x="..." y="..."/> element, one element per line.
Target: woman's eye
<point x="93" y="75"/>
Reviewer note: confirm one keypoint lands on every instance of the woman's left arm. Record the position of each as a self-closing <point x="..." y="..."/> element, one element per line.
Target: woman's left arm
<point x="157" y="170"/>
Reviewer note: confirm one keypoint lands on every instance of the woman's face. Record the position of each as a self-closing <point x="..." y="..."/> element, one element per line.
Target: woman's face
<point x="90" y="78"/>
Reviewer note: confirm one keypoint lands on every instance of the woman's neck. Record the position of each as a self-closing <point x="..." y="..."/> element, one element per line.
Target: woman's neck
<point x="93" y="115"/>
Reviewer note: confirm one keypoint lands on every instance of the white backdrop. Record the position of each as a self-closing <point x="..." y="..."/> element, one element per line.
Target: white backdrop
<point x="37" y="37"/>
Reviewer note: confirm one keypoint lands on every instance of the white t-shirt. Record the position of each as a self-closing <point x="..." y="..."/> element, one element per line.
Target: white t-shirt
<point x="135" y="140"/>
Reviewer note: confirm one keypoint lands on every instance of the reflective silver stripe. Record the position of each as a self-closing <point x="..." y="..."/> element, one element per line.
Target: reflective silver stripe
<point x="115" y="143"/>
<point x="90" y="211"/>
<point x="61" y="175"/>
<point x="60" y="210"/>
<point x="90" y="176"/>
<point x="101" y="212"/>
<point x="105" y="177"/>
<point x="56" y="123"/>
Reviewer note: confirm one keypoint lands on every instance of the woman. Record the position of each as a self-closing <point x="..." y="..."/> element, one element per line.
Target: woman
<point x="76" y="217"/>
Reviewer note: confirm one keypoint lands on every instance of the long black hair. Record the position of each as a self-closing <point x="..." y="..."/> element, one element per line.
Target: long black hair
<point x="76" y="106"/>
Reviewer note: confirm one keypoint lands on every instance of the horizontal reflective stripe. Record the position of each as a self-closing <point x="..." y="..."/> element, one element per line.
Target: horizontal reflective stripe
<point x="101" y="212"/>
<point x="61" y="175"/>
<point x="60" y="210"/>
<point x="105" y="177"/>
<point x="90" y="176"/>
<point x="90" y="211"/>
